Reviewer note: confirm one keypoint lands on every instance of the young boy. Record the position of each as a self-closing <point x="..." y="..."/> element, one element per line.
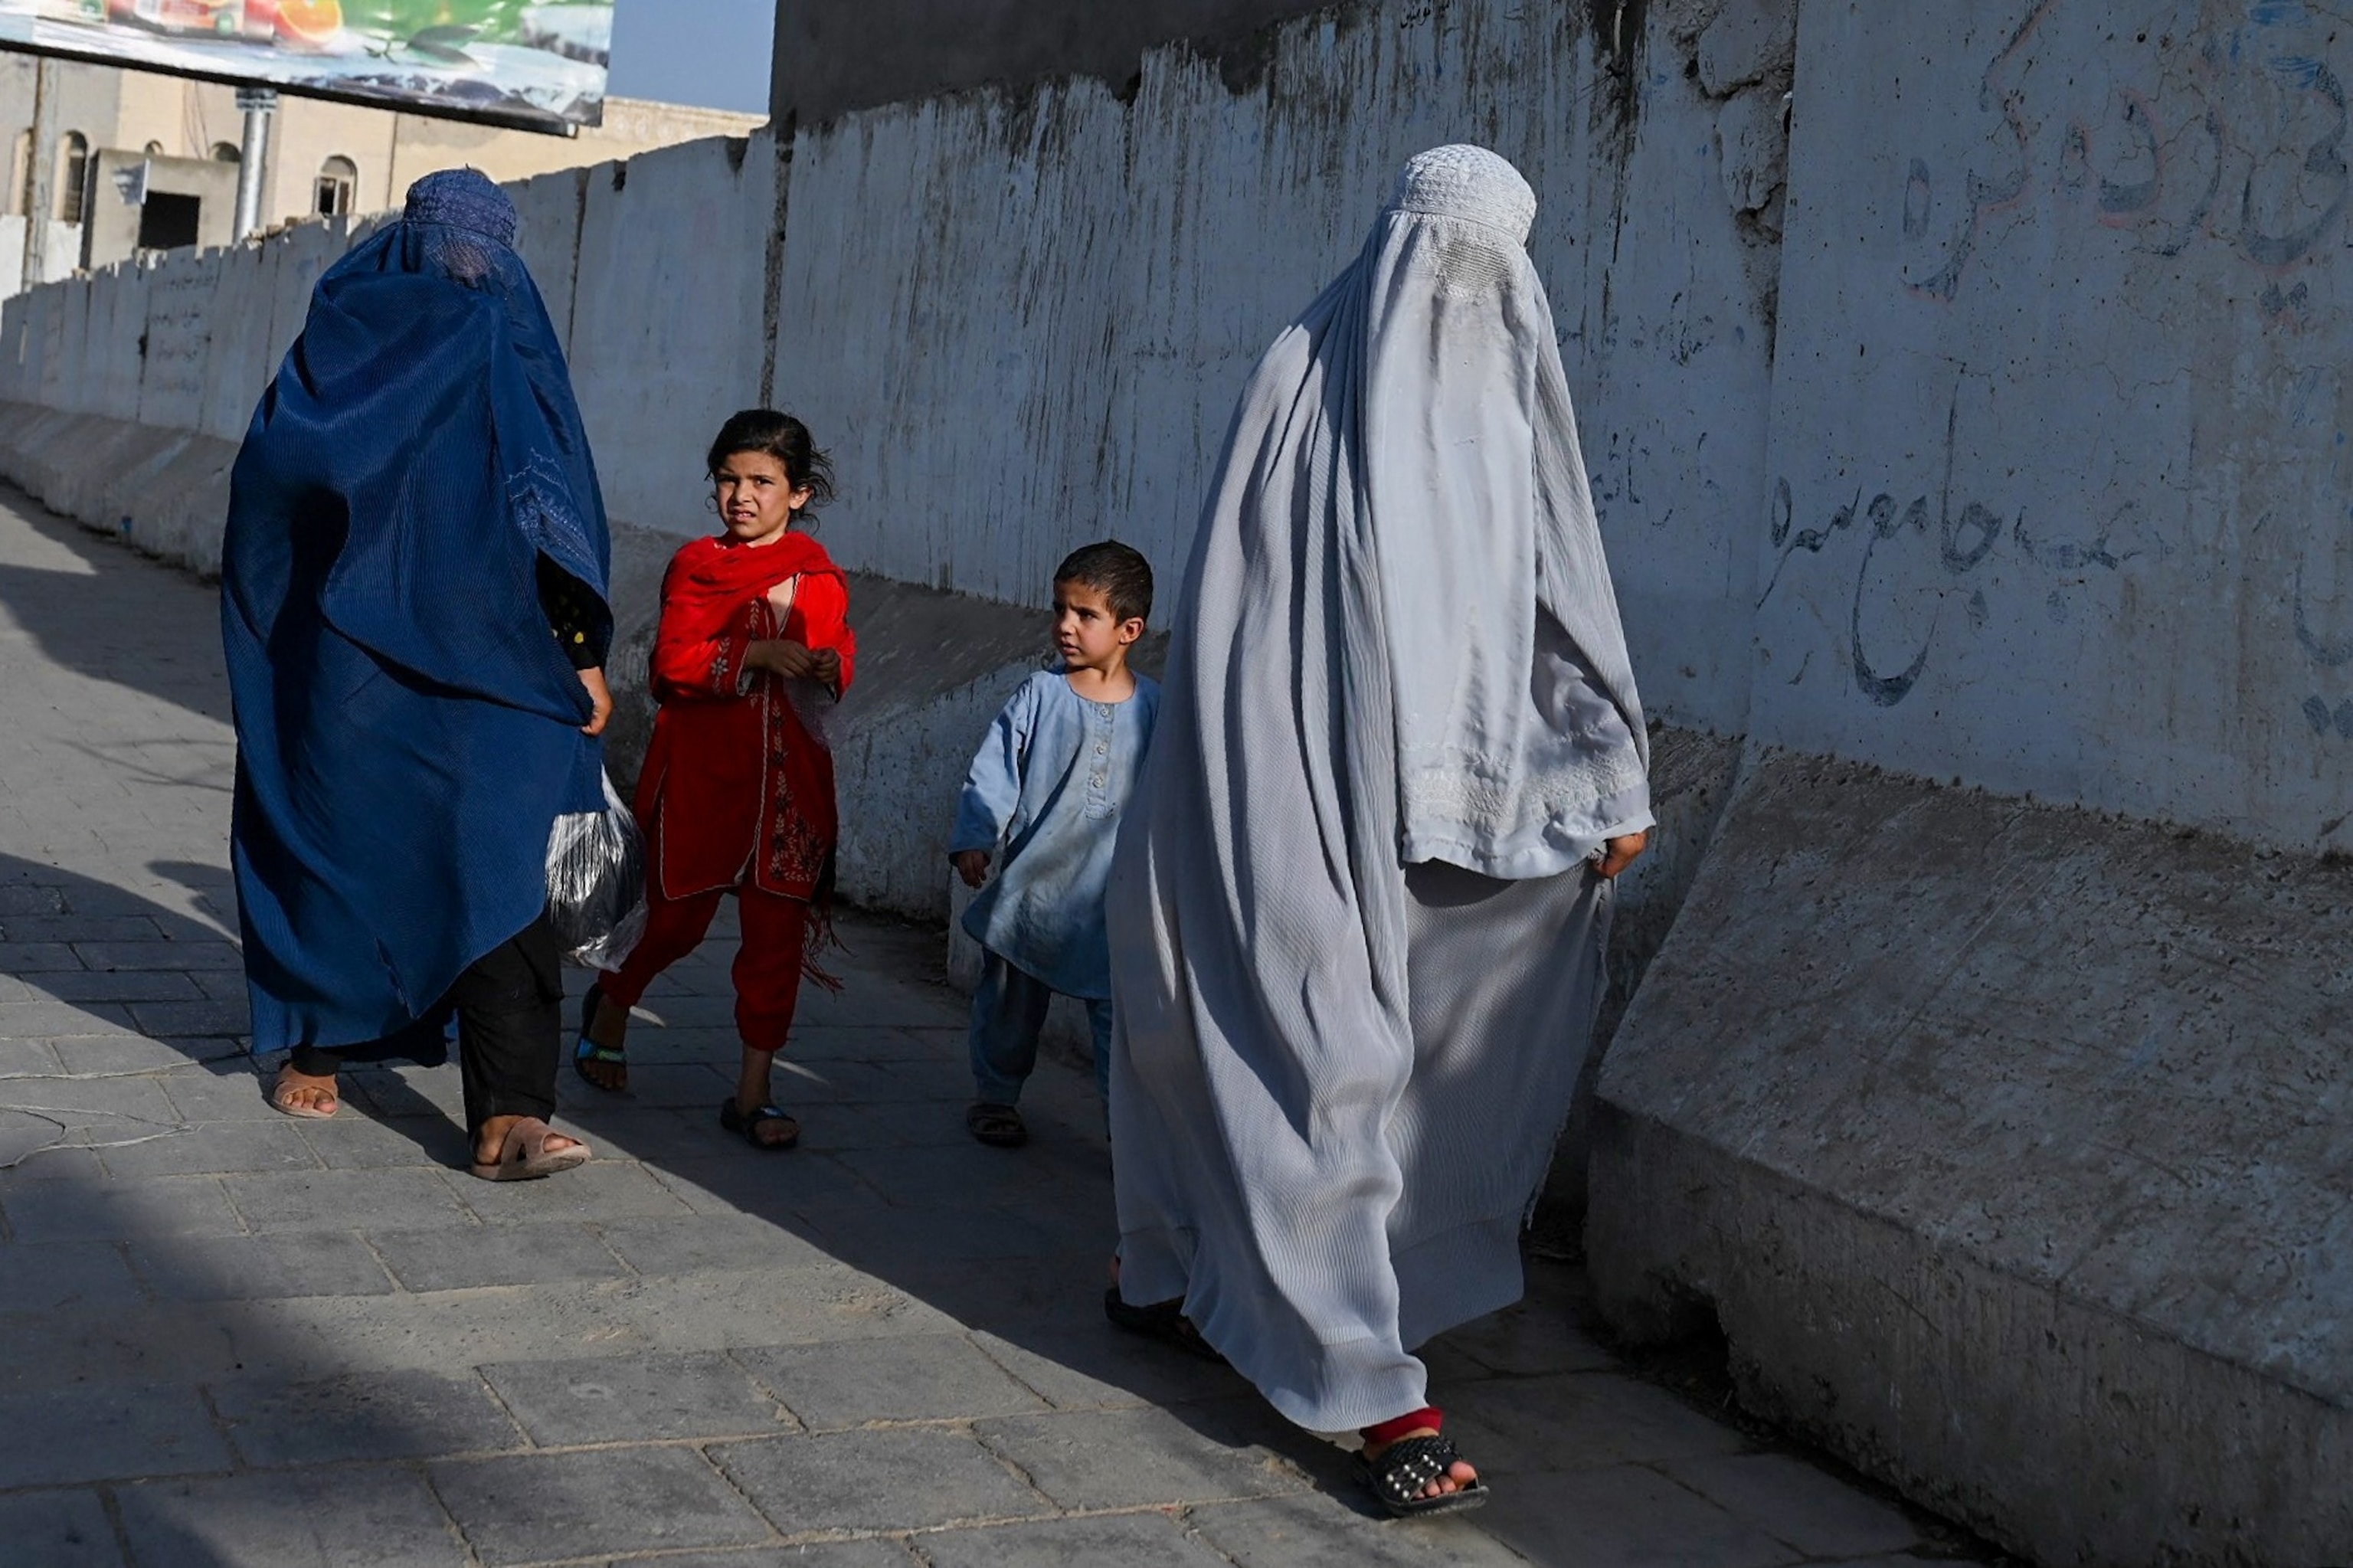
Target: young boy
<point x="1050" y="783"/>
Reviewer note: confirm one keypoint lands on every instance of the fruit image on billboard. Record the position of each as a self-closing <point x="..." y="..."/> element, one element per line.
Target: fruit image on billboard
<point x="509" y="62"/>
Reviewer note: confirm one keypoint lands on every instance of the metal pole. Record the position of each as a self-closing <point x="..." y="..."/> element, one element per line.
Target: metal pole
<point x="259" y="104"/>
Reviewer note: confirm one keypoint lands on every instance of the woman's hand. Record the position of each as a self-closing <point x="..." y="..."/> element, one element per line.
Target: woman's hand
<point x="781" y="656"/>
<point x="600" y="702"/>
<point x="972" y="866"/>
<point x="1619" y="854"/>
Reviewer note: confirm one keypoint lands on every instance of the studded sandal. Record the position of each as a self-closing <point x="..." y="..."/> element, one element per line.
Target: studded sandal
<point x="1410" y="1464"/>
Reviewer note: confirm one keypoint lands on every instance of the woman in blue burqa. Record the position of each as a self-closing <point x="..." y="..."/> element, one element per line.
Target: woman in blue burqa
<point x="413" y="603"/>
<point x="1358" y="911"/>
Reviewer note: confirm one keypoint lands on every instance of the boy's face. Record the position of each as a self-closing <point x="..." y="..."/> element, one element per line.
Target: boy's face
<point x="756" y="498"/>
<point x="1087" y="634"/>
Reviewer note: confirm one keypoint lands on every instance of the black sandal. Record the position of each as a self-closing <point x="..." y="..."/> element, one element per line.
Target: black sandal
<point x="1410" y="1464"/>
<point x="1000" y="1126"/>
<point x="747" y="1127"/>
<point x="1166" y="1322"/>
<point x="585" y="1049"/>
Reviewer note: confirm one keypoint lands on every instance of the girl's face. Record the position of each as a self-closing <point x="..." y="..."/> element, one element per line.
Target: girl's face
<point x="756" y="497"/>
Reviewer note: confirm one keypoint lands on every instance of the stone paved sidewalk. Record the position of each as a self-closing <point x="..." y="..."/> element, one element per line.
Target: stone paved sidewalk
<point x="229" y="1338"/>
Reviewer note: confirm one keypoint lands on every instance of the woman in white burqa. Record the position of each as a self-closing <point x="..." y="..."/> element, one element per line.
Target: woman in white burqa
<point x="1360" y="905"/>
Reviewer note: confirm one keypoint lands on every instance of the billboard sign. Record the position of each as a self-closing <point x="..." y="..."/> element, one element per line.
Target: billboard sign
<point x="507" y="62"/>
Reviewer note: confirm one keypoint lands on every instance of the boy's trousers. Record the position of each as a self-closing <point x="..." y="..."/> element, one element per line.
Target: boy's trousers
<point x="1008" y="1013"/>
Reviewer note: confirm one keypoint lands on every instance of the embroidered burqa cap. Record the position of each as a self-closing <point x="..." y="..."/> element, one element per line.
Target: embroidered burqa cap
<point x="463" y="198"/>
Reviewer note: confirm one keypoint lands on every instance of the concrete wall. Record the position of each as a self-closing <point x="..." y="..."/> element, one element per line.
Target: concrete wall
<point x="835" y="56"/>
<point x="2059" y="473"/>
<point x="1032" y="331"/>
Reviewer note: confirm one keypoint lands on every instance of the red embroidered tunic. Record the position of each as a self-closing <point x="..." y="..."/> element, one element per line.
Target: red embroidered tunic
<point x="736" y="786"/>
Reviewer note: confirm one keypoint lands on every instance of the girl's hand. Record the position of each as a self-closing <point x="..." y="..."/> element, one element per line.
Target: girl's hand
<point x="972" y="866"/>
<point x="781" y="656"/>
<point x="600" y="700"/>
<point x="1619" y="854"/>
<point x="827" y="671"/>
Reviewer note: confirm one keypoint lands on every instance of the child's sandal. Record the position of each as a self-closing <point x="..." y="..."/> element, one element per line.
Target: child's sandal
<point x="747" y="1127"/>
<point x="585" y="1049"/>
<point x="1000" y="1126"/>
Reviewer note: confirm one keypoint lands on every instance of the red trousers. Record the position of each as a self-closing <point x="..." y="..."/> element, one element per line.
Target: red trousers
<point x="767" y="965"/>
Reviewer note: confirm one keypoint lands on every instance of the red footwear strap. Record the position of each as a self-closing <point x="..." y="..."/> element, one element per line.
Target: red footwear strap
<point x="1424" y="1420"/>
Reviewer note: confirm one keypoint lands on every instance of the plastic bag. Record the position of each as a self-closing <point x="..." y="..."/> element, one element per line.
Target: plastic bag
<point x="596" y="882"/>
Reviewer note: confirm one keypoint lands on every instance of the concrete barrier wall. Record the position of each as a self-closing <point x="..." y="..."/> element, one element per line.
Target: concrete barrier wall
<point x="2059" y="470"/>
<point x="1024" y="319"/>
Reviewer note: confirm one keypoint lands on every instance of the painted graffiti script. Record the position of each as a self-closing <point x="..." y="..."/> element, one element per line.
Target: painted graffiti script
<point x="2232" y="131"/>
<point x="1945" y="544"/>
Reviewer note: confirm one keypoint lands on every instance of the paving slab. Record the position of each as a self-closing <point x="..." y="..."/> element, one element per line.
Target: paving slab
<point x="72" y="1436"/>
<point x="1143" y="1541"/>
<point x="698" y="1395"/>
<point x="217" y="1148"/>
<point x="345" y="1199"/>
<point x="917" y="1377"/>
<point x="53" y="1276"/>
<point x="462" y="1259"/>
<point x="907" y="1477"/>
<point x="370" y="1517"/>
<point x="59" y="1530"/>
<point x="1624" y="1517"/>
<point x="379" y="1415"/>
<point x="537" y="1507"/>
<point x="1795" y="1502"/>
<point x="248" y="1268"/>
<point x="1308" y="1532"/>
<point x="1137" y="1458"/>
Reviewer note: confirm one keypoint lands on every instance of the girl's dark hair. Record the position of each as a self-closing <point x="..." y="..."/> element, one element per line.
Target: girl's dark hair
<point x="781" y="437"/>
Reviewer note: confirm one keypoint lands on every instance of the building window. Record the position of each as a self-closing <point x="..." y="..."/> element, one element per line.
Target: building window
<point x="339" y="182"/>
<point x="228" y="153"/>
<point x="73" y="173"/>
<point x="21" y="163"/>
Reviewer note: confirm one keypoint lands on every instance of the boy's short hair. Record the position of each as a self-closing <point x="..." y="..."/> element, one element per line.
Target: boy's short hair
<point x="1116" y="571"/>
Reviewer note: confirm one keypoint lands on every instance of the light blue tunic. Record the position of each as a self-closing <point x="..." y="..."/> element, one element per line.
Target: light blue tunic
<point x="1049" y="784"/>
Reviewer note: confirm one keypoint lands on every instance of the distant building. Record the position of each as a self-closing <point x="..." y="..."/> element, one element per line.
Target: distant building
<point x="104" y="162"/>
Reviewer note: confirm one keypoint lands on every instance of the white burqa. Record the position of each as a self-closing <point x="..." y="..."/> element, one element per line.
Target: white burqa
<point x="1357" y="947"/>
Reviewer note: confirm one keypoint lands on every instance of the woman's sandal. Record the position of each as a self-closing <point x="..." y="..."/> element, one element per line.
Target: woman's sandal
<point x="524" y="1156"/>
<point x="281" y="1102"/>
<point x="747" y="1127"/>
<point x="1164" y="1321"/>
<point x="1000" y="1126"/>
<point x="585" y="1049"/>
<point x="1408" y="1464"/>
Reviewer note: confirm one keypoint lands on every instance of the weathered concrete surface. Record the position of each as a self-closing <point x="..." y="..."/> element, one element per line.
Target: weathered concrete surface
<point x="835" y="55"/>
<point x="2009" y="1146"/>
<point x="1032" y="331"/>
<point x="2058" y="463"/>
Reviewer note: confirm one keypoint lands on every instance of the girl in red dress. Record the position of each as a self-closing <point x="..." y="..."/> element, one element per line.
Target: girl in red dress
<point x="737" y="793"/>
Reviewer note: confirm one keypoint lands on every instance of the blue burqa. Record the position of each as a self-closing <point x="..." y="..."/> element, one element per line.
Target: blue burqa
<point x="407" y="727"/>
